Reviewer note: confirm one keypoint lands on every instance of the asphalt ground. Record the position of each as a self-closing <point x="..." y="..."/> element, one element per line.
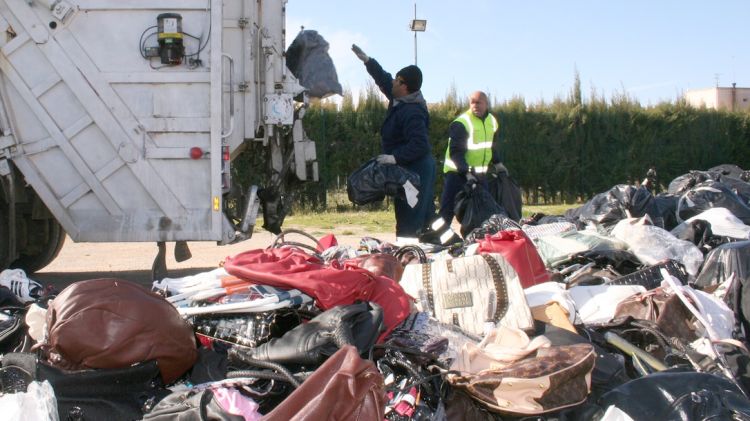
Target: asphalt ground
<point x="132" y="261"/>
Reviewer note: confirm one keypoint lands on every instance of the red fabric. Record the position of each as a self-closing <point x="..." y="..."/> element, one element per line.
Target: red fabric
<point x="329" y="285"/>
<point x="327" y="241"/>
<point x="520" y="252"/>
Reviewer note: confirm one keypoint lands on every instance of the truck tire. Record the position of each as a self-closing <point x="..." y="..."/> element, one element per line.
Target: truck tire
<point x="35" y="262"/>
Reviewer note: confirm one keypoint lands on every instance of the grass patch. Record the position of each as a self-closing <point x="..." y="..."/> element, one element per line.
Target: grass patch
<point x="365" y="222"/>
<point x="547" y="209"/>
<point x="345" y="223"/>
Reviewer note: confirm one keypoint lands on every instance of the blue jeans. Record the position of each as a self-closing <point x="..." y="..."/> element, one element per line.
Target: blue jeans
<point x="409" y="221"/>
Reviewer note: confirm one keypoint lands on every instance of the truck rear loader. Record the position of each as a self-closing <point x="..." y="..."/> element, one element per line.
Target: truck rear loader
<point x="120" y="119"/>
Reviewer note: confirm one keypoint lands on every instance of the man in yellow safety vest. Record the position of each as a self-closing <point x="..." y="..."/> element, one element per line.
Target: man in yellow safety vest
<point x="470" y="153"/>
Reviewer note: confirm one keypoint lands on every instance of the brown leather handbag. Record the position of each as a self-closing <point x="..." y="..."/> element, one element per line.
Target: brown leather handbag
<point x="556" y="378"/>
<point x="382" y="264"/>
<point x="662" y="307"/>
<point x="345" y="387"/>
<point x="111" y="323"/>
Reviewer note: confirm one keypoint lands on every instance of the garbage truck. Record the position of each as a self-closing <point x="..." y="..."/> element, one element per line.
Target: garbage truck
<point x="120" y="120"/>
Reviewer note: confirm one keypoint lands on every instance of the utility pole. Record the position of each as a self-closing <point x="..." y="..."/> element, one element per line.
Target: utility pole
<point x="415" y="34"/>
<point x="417" y="25"/>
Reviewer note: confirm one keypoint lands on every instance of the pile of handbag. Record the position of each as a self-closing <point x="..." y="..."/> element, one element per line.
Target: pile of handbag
<point x="602" y="314"/>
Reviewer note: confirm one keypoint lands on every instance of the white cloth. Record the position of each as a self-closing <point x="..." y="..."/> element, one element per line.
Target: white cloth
<point x="548" y="292"/>
<point x="36" y="320"/>
<point x="597" y="303"/>
<point x="201" y="280"/>
<point x="723" y="223"/>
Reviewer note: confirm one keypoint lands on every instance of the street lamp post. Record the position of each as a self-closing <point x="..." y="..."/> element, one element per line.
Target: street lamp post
<point x="417" y="25"/>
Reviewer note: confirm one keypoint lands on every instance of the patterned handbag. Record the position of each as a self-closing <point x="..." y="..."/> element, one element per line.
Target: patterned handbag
<point x="557" y="377"/>
<point x="475" y="293"/>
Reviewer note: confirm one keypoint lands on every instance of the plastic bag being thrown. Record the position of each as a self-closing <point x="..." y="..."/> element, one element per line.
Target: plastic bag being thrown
<point x="372" y="182"/>
<point x="308" y="60"/>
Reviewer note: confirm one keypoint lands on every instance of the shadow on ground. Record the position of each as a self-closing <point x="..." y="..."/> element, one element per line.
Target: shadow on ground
<point x="62" y="279"/>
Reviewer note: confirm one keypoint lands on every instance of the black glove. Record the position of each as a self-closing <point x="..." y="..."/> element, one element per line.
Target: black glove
<point x="313" y="342"/>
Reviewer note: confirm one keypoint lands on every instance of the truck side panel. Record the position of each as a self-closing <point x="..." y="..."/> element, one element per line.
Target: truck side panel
<point x="103" y="134"/>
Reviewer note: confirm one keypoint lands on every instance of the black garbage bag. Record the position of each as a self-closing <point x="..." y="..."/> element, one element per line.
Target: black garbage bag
<point x="684" y="396"/>
<point x="274" y="212"/>
<point x="738" y="187"/>
<point x="372" y="182"/>
<point x="474" y="205"/>
<point x="730" y="170"/>
<point x="731" y="260"/>
<point x="494" y="224"/>
<point x="308" y="60"/>
<point x="734" y="177"/>
<point x="712" y="194"/>
<point x="504" y="189"/>
<point x="610" y="207"/>
<point x="685" y="182"/>
<point x="666" y="205"/>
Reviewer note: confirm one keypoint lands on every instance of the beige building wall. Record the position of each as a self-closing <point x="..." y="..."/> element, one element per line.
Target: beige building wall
<point x="719" y="98"/>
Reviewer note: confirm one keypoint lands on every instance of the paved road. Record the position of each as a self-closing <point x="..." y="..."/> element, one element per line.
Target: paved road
<point x="132" y="261"/>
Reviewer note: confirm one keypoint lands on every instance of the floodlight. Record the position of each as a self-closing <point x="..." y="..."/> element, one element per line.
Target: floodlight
<point x="418" y="25"/>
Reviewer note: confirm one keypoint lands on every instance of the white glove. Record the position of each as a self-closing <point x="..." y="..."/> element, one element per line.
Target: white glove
<point x="500" y="168"/>
<point x="360" y="54"/>
<point x="386" y="159"/>
<point x="470" y="178"/>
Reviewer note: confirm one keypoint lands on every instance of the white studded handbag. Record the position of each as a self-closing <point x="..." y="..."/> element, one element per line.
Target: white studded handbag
<point x="475" y="293"/>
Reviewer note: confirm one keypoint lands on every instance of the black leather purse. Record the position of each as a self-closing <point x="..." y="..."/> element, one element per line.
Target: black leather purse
<point x="311" y="343"/>
<point x="111" y="394"/>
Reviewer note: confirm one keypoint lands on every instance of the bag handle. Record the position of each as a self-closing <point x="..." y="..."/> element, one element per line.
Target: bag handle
<point x="281" y="241"/>
<point x="413" y="249"/>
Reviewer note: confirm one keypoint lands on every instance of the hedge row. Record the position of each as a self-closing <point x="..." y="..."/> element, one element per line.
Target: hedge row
<point x="563" y="151"/>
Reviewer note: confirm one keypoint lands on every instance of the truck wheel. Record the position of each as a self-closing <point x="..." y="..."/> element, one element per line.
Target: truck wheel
<point x="35" y="262"/>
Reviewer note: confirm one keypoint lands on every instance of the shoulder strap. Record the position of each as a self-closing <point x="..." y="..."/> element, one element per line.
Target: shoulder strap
<point x="501" y="290"/>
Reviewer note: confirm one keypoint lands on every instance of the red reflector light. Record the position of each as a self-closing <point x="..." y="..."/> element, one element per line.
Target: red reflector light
<point x="225" y="153"/>
<point x="196" y="152"/>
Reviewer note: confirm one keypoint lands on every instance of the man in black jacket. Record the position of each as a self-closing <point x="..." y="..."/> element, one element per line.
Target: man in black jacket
<point x="405" y="140"/>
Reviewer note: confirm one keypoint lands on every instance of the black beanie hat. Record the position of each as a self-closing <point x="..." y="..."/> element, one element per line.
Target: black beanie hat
<point x="412" y="76"/>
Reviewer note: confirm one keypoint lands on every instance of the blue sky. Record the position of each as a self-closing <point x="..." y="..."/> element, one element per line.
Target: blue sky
<point x="652" y="50"/>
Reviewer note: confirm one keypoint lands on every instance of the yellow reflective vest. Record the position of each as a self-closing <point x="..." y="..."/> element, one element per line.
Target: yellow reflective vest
<point x="479" y="143"/>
